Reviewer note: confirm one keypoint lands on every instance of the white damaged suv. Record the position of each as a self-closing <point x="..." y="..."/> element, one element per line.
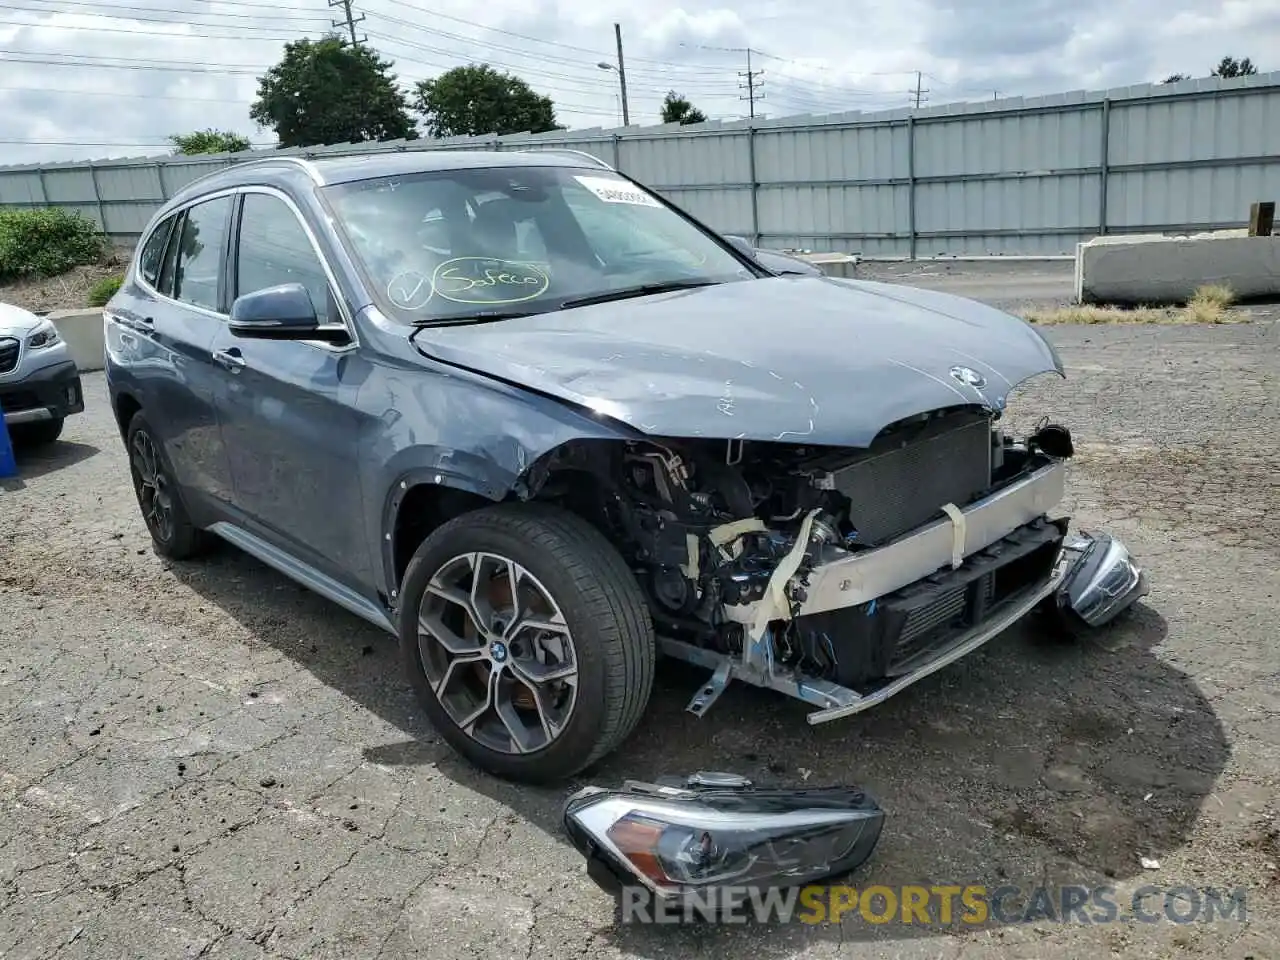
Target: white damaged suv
<point x="39" y="382"/>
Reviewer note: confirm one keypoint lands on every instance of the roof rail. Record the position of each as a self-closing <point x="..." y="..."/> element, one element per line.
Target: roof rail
<point x="307" y="166"/>
<point x="576" y="153"/>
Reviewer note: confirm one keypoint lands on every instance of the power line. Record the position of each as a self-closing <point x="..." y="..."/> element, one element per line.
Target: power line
<point x="573" y="84"/>
<point x="547" y="59"/>
<point x="78" y="60"/>
<point x="155" y="33"/>
<point x="541" y="41"/>
<point x="113" y="93"/>
<point x="703" y="89"/>
<point x="115" y="8"/>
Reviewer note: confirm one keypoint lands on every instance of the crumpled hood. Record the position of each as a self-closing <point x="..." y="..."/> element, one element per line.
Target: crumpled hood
<point x="16" y="322"/>
<point x="806" y="359"/>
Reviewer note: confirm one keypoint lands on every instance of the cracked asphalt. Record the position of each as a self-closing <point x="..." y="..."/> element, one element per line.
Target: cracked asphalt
<point x="206" y="760"/>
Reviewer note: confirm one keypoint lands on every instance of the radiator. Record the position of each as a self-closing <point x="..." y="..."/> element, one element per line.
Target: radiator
<point x="907" y="476"/>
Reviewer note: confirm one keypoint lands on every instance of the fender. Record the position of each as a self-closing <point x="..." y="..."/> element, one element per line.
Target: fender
<point x="464" y="432"/>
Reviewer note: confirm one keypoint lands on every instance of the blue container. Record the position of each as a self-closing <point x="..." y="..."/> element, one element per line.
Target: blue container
<point x="8" y="463"/>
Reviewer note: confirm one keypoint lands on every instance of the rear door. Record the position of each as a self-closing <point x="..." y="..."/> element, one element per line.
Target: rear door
<point x="289" y="417"/>
<point x="165" y="331"/>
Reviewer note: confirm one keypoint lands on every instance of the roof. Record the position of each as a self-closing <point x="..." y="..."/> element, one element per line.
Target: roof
<point x="348" y="168"/>
<point x="345" y="169"/>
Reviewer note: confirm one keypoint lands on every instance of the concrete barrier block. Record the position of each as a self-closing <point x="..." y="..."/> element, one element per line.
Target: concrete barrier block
<point x="1162" y="270"/>
<point x="83" y="334"/>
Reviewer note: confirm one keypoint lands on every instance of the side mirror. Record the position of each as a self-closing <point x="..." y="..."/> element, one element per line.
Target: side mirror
<point x="283" y="312"/>
<point x="742" y="245"/>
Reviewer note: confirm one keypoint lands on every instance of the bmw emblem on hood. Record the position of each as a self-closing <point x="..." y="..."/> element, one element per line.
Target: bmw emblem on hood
<point x="970" y="378"/>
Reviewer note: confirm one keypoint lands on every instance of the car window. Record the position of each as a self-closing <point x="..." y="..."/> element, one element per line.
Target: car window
<point x="199" y="253"/>
<point x="525" y="238"/>
<point x="168" y="265"/>
<point x="152" y="254"/>
<point x="274" y="248"/>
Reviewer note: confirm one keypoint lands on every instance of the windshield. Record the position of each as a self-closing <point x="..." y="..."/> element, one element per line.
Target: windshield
<point x="446" y="245"/>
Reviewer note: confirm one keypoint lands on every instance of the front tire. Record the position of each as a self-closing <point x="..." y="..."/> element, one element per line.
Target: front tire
<point x="539" y="688"/>
<point x="173" y="535"/>
<point x="41" y="433"/>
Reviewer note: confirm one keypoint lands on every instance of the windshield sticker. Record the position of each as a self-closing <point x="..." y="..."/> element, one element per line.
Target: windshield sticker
<point x="485" y="280"/>
<point x="617" y="191"/>
<point x="410" y="290"/>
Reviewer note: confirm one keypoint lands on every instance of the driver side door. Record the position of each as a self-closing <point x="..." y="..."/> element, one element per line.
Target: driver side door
<point x="289" y="417"/>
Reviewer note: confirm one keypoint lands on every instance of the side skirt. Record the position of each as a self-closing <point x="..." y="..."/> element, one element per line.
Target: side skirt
<point x="303" y="573"/>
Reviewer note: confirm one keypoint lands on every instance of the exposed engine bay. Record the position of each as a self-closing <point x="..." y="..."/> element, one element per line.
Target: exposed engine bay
<point x="724" y="534"/>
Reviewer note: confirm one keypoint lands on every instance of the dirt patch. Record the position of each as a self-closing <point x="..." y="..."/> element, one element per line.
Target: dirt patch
<point x="69" y="291"/>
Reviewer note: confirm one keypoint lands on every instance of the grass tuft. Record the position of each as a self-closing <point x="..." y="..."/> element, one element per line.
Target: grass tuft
<point x="1209" y="304"/>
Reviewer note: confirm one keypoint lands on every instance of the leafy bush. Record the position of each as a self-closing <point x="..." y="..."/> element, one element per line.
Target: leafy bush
<point x="104" y="290"/>
<point x="209" y="141"/>
<point x="47" y="242"/>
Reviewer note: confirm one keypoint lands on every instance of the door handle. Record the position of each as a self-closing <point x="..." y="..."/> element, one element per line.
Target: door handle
<point x="230" y="359"/>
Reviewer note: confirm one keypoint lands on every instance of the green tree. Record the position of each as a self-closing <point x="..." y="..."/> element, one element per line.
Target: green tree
<point x="208" y="141"/>
<point x="477" y="99"/>
<point x="1175" y="77"/>
<point x="676" y="109"/>
<point x="1231" y="67"/>
<point x="328" y="91"/>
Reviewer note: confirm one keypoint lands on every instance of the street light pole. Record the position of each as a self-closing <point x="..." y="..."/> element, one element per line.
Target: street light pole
<point x="622" y="75"/>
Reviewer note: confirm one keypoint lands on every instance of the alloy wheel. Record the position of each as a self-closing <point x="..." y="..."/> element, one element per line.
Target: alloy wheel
<point x="497" y="653"/>
<point x="155" y="494"/>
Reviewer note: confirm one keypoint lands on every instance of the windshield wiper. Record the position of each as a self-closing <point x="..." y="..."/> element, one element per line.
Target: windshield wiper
<point x="482" y="316"/>
<point x="641" y="290"/>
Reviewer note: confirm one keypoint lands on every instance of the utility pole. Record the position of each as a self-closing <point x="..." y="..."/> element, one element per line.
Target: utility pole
<point x="622" y="75"/>
<point x="347" y="20"/>
<point x="752" y="85"/>
<point x="919" y="91"/>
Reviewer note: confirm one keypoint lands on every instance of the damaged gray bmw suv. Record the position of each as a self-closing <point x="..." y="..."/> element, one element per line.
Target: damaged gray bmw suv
<point x="544" y="426"/>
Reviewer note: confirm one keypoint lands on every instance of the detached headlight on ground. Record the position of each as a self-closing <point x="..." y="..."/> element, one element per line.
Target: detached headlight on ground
<point x="44" y="335"/>
<point x="717" y="830"/>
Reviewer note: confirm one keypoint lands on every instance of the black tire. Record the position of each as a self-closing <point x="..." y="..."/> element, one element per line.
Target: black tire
<point x="179" y="539"/>
<point x="41" y="433"/>
<point x="602" y="605"/>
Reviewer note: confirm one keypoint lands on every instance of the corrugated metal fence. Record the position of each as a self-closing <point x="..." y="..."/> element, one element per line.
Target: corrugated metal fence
<point x="1014" y="176"/>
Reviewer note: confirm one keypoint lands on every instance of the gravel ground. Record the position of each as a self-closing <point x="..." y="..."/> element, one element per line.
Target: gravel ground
<point x="1005" y="283"/>
<point x="206" y="760"/>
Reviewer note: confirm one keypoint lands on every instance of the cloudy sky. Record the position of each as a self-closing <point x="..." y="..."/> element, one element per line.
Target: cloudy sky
<point x="109" y="78"/>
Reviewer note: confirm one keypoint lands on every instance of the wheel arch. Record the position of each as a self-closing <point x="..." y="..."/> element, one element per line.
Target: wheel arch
<point x="417" y="504"/>
<point x="424" y="497"/>
<point x="125" y="406"/>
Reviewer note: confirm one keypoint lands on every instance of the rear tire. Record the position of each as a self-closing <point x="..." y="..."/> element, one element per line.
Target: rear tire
<point x="173" y="535"/>
<point x="590" y="616"/>
<point x="41" y="433"/>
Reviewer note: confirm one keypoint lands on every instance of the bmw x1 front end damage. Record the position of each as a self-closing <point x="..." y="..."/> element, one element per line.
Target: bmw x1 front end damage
<point x="840" y="577"/>
<point x="834" y="524"/>
<point x="844" y="627"/>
